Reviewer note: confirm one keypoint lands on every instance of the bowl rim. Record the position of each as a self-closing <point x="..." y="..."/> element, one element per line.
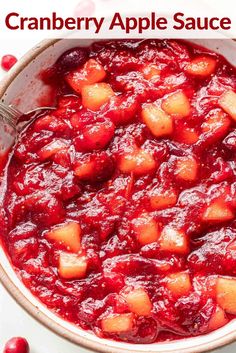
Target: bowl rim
<point x="33" y="310"/>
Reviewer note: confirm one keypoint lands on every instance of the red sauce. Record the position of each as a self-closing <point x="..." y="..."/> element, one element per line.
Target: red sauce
<point x="119" y="208"/>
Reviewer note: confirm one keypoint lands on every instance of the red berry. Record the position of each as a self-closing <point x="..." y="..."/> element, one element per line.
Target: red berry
<point x="8" y="61"/>
<point x="16" y="345"/>
<point x="71" y="59"/>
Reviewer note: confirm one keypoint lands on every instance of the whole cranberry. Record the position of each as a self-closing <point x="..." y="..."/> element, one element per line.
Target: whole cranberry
<point x="16" y="345"/>
<point x="8" y="61"/>
<point x="71" y="59"/>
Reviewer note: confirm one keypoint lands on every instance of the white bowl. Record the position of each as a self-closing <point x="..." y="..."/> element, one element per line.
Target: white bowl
<point x="22" y="87"/>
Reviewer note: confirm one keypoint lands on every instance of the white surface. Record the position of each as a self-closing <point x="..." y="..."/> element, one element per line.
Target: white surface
<point x="13" y="320"/>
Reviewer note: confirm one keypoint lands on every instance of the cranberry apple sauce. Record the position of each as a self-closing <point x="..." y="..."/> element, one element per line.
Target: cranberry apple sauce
<point x="119" y="206"/>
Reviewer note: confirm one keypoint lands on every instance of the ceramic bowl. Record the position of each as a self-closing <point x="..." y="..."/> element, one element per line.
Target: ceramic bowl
<point x="22" y="87"/>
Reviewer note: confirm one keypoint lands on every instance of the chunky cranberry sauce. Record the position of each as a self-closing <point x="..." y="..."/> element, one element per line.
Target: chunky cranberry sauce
<point x="120" y="204"/>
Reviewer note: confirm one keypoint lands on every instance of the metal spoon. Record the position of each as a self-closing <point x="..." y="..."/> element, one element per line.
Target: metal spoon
<point x="10" y="126"/>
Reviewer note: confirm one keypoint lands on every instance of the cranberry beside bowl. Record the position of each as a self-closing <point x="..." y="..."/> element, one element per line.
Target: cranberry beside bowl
<point x="119" y="221"/>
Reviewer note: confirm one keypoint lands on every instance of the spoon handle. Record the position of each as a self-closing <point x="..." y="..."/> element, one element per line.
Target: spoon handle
<point x="8" y="121"/>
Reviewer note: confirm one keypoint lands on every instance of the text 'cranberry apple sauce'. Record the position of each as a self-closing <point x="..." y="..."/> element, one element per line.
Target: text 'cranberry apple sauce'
<point x="153" y="22"/>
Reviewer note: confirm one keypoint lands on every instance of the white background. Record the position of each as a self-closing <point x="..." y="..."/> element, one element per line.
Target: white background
<point x="14" y="321"/>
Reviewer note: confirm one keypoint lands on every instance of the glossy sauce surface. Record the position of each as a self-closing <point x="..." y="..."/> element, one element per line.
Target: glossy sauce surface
<point x="119" y="207"/>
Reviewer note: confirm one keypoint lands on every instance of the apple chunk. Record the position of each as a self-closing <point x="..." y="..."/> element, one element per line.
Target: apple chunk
<point x="72" y="266"/>
<point x="227" y="102"/>
<point x="177" y="105"/>
<point x="201" y="66"/>
<point x="218" y="319"/>
<point x="139" y="302"/>
<point x="118" y="323"/>
<point x="226" y="294"/>
<point x="217" y="211"/>
<point x="145" y="229"/>
<point x="85" y="170"/>
<point x="161" y="199"/>
<point x="216" y="124"/>
<point x="139" y="162"/>
<point x="94" y="96"/>
<point x="157" y="121"/>
<point x="186" y="168"/>
<point x="95" y="136"/>
<point x="68" y="234"/>
<point x="174" y="241"/>
<point x="91" y="72"/>
<point x="179" y="283"/>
